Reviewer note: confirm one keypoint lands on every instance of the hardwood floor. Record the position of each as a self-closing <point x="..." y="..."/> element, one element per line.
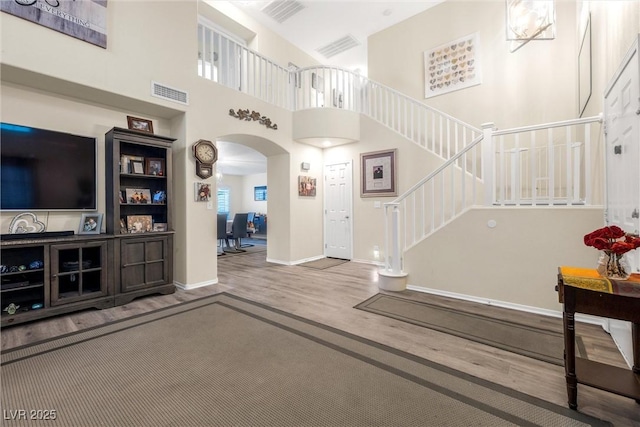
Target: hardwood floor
<point x="328" y="296"/>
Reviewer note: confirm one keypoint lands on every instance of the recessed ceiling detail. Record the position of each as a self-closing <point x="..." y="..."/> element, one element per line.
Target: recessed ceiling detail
<point x="281" y="10"/>
<point x="343" y="44"/>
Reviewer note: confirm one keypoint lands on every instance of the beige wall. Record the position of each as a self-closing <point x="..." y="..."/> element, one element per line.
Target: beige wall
<point x="536" y="84"/>
<point x="248" y="202"/>
<point x="515" y="262"/>
<point x="614" y="27"/>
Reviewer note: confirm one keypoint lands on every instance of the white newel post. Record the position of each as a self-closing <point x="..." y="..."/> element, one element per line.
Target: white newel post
<point x="391" y="277"/>
<point x="488" y="159"/>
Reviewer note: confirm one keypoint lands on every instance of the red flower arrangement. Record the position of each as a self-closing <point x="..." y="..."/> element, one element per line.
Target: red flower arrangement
<point x="614" y="242"/>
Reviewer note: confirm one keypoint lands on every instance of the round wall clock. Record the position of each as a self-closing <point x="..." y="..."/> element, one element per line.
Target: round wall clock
<point x="206" y="155"/>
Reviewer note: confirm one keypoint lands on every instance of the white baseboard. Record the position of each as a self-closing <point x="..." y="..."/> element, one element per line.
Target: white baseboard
<point x="368" y="261"/>
<point x="184" y="287"/>
<point x="313" y="258"/>
<point x="585" y="318"/>
<point x="277" y="261"/>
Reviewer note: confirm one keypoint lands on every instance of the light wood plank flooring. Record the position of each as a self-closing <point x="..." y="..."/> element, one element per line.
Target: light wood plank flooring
<point x="328" y="296"/>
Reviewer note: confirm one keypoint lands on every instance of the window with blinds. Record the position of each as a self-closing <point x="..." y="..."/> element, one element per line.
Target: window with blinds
<point x="223" y="201"/>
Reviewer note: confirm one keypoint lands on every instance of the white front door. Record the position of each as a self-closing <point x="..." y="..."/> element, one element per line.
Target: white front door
<point x="337" y="210"/>
<point x="622" y="145"/>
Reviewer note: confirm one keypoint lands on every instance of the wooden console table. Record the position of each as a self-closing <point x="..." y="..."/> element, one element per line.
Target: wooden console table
<point x="582" y="290"/>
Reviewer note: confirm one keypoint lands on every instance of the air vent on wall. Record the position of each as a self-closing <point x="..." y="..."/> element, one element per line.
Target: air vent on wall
<point x="338" y="46"/>
<point x="165" y="92"/>
<point x="281" y="10"/>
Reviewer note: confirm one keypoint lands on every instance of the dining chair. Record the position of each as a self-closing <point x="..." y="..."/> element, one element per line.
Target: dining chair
<point x="238" y="230"/>
<point x="222" y="233"/>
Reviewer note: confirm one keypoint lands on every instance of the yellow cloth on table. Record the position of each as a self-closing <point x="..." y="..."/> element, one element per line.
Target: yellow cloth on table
<point x="585" y="278"/>
<point x="590" y="279"/>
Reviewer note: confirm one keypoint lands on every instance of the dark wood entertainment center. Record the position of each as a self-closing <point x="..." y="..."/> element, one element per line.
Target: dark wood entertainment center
<point x="51" y="275"/>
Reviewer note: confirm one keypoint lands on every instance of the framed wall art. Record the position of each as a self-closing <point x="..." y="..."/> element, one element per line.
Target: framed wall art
<point x="379" y="174"/>
<point x="202" y="192"/>
<point x="306" y="186"/>
<point x="452" y="66"/>
<point x="584" y="69"/>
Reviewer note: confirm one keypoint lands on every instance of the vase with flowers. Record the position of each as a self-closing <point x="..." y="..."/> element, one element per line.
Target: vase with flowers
<point x="614" y="244"/>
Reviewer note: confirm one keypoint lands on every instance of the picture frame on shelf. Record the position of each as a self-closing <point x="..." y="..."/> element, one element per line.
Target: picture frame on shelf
<point x="160" y="226"/>
<point x="138" y="195"/>
<point x="159" y="197"/>
<point x="139" y="223"/>
<point x="137" y="167"/>
<point x="90" y="223"/>
<point x="142" y="125"/>
<point x="379" y="174"/>
<point x="154" y="166"/>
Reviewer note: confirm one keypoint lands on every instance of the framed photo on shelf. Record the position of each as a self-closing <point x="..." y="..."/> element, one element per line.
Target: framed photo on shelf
<point x="159" y="197"/>
<point x="137" y="167"/>
<point x="154" y="166"/>
<point x="142" y="125"/>
<point x="138" y="195"/>
<point x="160" y="226"/>
<point x="139" y="223"/>
<point x="379" y="174"/>
<point x="90" y="223"/>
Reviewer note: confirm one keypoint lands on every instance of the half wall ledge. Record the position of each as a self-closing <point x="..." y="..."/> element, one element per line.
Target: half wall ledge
<point x="390" y="281"/>
<point x="326" y="127"/>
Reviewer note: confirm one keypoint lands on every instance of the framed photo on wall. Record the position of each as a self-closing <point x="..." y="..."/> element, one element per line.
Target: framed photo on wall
<point x="306" y="186"/>
<point x="378" y="174"/>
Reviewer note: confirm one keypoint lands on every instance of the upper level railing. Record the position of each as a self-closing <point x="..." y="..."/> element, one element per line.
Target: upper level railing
<point x="229" y="63"/>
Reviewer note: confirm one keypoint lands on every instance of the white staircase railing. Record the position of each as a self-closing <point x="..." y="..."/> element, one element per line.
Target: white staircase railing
<point x="542" y="165"/>
<point x="229" y="63"/>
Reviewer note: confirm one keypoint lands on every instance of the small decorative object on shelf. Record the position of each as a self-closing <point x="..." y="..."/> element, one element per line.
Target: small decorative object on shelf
<point x="26" y="222"/>
<point x="614" y="244"/>
<point x="11" y="308"/>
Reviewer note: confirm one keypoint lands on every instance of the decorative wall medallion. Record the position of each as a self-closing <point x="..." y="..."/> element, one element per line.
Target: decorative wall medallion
<point x="253" y="115"/>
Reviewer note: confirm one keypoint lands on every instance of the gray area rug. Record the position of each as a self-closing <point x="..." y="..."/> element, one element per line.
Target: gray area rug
<point x="541" y="344"/>
<point x="226" y="361"/>
<point x="324" y="263"/>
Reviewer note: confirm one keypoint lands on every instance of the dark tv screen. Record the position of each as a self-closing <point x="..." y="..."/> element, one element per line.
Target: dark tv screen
<point x="46" y="170"/>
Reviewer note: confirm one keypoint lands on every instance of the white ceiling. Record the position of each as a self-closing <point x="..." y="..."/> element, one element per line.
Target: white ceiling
<point x="238" y="159"/>
<point x="322" y="22"/>
<point x="317" y="24"/>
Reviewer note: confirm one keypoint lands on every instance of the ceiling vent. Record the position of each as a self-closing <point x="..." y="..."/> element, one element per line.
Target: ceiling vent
<point x="281" y="10"/>
<point x="338" y="46"/>
<point x="165" y="92"/>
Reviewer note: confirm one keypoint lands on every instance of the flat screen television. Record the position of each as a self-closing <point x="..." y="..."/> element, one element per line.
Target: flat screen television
<point x="44" y="170"/>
